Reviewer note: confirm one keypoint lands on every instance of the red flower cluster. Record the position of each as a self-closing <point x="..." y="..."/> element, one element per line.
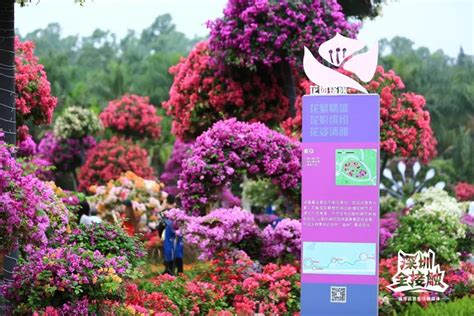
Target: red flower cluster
<point x="404" y="122"/>
<point x="292" y="125"/>
<point x="464" y="191"/>
<point x="32" y="88"/>
<point x="200" y="95"/>
<point x="155" y="301"/>
<point x="230" y="286"/>
<point x="275" y="290"/>
<point x="132" y="115"/>
<point x="109" y="159"/>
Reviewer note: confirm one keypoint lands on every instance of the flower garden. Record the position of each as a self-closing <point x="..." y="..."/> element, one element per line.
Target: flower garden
<point x="93" y="217"/>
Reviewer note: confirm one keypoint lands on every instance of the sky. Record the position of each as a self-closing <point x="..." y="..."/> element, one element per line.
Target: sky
<point x="436" y="24"/>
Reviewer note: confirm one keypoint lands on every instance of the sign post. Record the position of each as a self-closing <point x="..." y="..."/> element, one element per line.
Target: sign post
<point x="340" y="204"/>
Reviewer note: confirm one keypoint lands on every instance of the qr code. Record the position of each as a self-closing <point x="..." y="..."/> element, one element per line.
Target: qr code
<point x="338" y="294"/>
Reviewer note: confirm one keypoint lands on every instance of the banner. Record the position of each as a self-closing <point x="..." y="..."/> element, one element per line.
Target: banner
<point x="340" y="204"/>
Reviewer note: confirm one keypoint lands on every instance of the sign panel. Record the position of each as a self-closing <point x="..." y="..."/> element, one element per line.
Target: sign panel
<point x="340" y="204"/>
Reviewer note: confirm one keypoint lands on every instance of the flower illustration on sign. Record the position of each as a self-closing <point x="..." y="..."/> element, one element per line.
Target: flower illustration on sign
<point x="340" y="52"/>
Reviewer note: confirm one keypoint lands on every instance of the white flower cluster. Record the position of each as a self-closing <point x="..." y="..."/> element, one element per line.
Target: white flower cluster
<point x="76" y="122"/>
<point x="439" y="203"/>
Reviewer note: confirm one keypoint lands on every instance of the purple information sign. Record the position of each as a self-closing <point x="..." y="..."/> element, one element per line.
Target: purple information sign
<point x="340" y="204"/>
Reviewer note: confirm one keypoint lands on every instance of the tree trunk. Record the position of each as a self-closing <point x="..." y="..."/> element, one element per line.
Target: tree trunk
<point x="7" y="97"/>
<point x="288" y="85"/>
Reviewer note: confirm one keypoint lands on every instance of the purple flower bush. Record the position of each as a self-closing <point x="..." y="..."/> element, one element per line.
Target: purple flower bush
<point x="29" y="210"/>
<point x="173" y="167"/>
<point x="219" y="230"/>
<point x="235" y="229"/>
<point x="231" y="149"/>
<point x="67" y="279"/>
<point x="27" y="147"/>
<point x="267" y="32"/>
<point x="388" y="225"/>
<point x="66" y="154"/>
<point x="283" y="239"/>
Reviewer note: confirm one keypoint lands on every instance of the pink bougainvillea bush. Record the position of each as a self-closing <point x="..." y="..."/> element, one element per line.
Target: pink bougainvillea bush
<point x="200" y="97"/>
<point x="268" y="32"/>
<point x="132" y="115"/>
<point x="110" y="158"/>
<point x="30" y="213"/>
<point x="231" y="149"/>
<point x="229" y="229"/>
<point x="65" y="154"/>
<point x="282" y="239"/>
<point x="68" y="281"/>
<point x="219" y="230"/>
<point x="33" y="90"/>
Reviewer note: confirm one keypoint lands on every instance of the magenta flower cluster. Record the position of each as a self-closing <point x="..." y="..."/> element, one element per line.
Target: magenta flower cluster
<point x="24" y="204"/>
<point x="62" y="277"/>
<point x="219" y="230"/>
<point x="66" y="154"/>
<point x="283" y="239"/>
<point x="254" y="32"/>
<point x="231" y="149"/>
<point x="388" y="225"/>
<point x="173" y="167"/>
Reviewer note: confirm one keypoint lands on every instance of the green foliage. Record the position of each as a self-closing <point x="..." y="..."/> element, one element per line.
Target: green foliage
<point x="261" y="193"/>
<point x="423" y="233"/>
<point x="390" y="204"/>
<point x="460" y="307"/>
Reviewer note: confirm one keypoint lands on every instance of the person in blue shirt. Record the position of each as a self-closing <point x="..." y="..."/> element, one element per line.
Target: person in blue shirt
<point x="173" y="247"/>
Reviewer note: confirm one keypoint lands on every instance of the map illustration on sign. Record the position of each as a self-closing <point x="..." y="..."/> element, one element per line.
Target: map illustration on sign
<point x="356" y="167"/>
<point x="339" y="258"/>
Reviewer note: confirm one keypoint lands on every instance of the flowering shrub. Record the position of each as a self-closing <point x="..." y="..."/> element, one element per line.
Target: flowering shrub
<point x="132" y="115"/>
<point x="231" y="149"/>
<point x="428" y="232"/>
<point x="283" y="239"/>
<point x="436" y="202"/>
<point x="435" y="221"/>
<point x="268" y="32"/>
<point x="388" y="225"/>
<point x="65" y="154"/>
<point x="147" y="197"/>
<point x="200" y="97"/>
<point x="27" y="147"/>
<point x="32" y="88"/>
<point x="76" y="122"/>
<point x="109" y="159"/>
<point x="28" y="208"/>
<point x="219" y="230"/>
<point x="464" y="191"/>
<point x="65" y="278"/>
<point x="230" y="286"/>
<point x="110" y="240"/>
<point x="404" y="121"/>
<point x="173" y="167"/>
